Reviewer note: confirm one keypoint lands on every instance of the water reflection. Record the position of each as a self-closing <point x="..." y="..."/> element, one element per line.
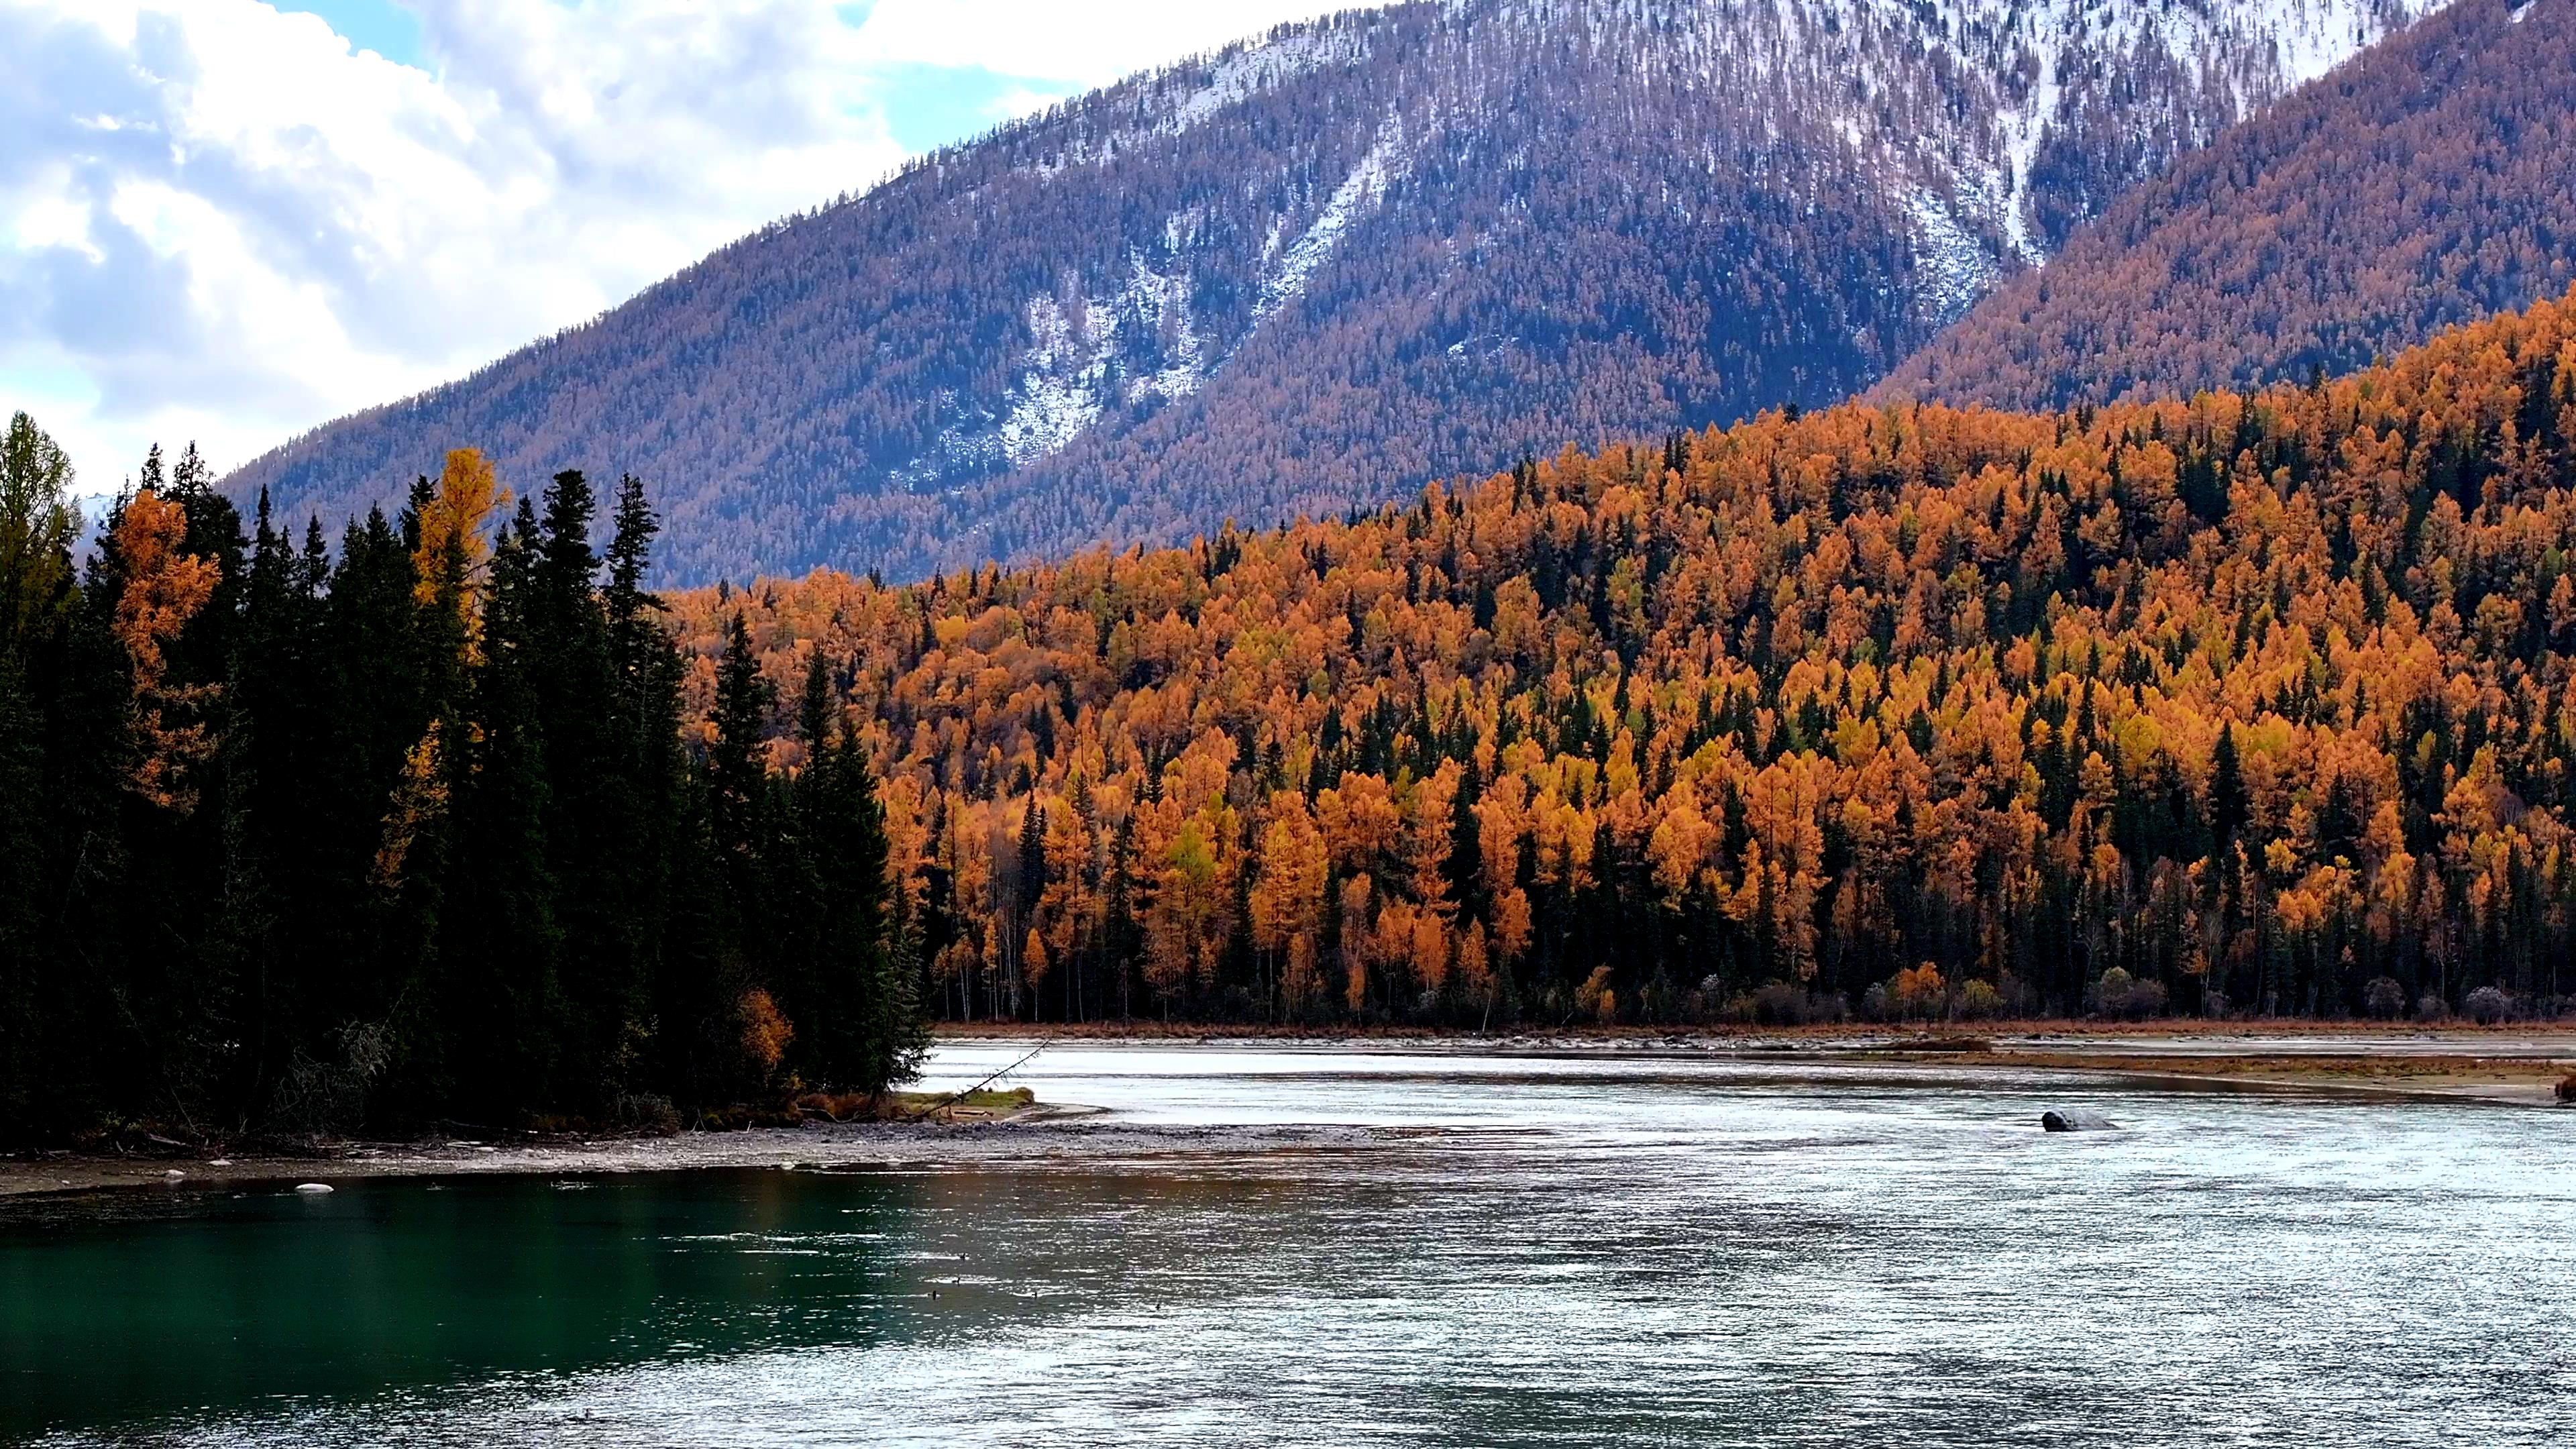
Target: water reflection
<point x="1549" y="1253"/>
<point x="145" y="1305"/>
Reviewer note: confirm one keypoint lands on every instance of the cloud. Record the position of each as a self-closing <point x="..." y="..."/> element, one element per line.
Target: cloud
<point x="1089" y="42"/>
<point x="223" y="222"/>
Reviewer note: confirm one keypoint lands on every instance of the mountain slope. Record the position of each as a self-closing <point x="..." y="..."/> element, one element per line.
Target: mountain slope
<point x="2431" y="182"/>
<point x="1322" y="267"/>
<point x="2265" y="702"/>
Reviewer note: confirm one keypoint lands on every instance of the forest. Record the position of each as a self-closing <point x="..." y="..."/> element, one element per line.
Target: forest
<point x="2247" y="704"/>
<point x="296" y="840"/>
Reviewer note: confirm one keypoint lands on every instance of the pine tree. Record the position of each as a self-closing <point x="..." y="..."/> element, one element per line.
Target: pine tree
<point x="2228" y="806"/>
<point x="737" y="777"/>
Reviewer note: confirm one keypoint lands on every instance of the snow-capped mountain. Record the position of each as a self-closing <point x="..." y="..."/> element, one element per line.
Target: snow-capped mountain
<point x="2433" y="184"/>
<point x="1322" y="267"/>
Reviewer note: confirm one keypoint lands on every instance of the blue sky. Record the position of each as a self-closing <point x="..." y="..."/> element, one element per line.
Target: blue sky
<point x="229" y="221"/>
<point x="378" y="25"/>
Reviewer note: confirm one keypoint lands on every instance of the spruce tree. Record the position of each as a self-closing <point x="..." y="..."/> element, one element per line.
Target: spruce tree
<point x="2228" y="804"/>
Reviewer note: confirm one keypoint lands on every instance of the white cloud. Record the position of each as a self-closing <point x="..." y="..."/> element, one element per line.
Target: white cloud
<point x="222" y="223"/>
<point x="1092" y="42"/>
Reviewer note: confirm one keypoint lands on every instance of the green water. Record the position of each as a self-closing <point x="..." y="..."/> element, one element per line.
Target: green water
<point x="1491" y="1251"/>
<point x="138" y="1308"/>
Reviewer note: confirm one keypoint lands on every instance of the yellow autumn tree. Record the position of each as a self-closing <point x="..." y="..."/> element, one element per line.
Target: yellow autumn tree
<point x="449" y="562"/>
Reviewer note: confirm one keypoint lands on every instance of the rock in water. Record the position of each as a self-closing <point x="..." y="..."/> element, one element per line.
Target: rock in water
<point x="313" y="1187"/>
<point x="2074" y="1122"/>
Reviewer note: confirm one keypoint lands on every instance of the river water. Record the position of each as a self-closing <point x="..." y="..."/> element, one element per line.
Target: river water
<point x="1626" y="1251"/>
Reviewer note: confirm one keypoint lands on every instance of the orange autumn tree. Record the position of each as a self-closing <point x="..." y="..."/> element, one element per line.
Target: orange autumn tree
<point x="164" y="588"/>
<point x="454" y="548"/>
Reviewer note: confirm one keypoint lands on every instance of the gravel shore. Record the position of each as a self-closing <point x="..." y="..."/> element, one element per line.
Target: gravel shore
<point x="2518" y="1069"/>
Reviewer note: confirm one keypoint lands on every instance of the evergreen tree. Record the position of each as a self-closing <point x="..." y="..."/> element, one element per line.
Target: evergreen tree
<point x="2228" y="805"/>
<point x="296" y="843"/>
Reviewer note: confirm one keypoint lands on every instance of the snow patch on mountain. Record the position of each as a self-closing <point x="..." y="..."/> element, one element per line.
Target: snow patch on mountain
<point x="1242" y="74"/>
<point x="965" y="448"/>
<point x="1954" y="268"/>
<point x="1136" y="345"/>
<point x="2023" y="127"/>
<point x="1160" y="306"/>
<point x="1063" y="378"/>
<point x="1357" y="196"/>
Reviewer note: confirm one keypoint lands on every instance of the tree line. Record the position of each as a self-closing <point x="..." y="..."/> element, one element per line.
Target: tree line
<point x="301" y="839"/>
<point x="2247" y="704"/>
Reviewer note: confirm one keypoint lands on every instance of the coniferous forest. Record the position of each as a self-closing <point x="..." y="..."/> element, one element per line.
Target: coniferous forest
<point x="2247" y="705"/>
<point x="307" y="838"/>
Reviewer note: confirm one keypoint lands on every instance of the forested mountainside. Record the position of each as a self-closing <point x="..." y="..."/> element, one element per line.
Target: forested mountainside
<point x="1335" y="263"/>
<point x="2246" y="704"/>
<point x="2429" y="183"/>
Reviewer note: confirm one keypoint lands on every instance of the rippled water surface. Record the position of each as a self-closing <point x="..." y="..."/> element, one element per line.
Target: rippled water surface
<point x="1520" y="1251"/>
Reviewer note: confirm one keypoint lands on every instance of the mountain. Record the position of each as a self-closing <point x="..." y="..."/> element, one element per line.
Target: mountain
<point x="2430" y="182"/>
<point x="2252" y="703"/>
<point x="1320" y="267"/>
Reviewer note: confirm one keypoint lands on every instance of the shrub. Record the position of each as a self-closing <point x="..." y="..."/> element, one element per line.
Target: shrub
<point x="2486" y="1006"/>
<point x="1595" y="999"/>
<point x="2431" y="1007"/>
<point x="316" y="1098"/>
<point x="1980" y="1001"/>
<point x="1917" y="992"/>
<point x="2384" y="998"/>
<point x="765" y="1032"/>
<point x="2122" y="996"/>
<point x="648" y="1113"/>
<point x="1781" y="1004"/>
<point x="1873" y="1002"/>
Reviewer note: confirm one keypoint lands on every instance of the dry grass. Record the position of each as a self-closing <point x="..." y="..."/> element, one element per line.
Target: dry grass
<point x="984" y="1105"/>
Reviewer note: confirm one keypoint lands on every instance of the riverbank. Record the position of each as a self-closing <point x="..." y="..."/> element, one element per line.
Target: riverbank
<point x="2516" y="1065"/>
<point x="2519" y="1068"/>
<point x="1037" y="1136"/>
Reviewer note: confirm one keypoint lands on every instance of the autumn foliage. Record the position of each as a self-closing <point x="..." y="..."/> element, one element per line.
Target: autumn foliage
<point x="2255" y="698"/>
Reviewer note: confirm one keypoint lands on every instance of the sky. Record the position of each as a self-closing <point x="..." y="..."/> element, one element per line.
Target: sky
<point x="229" y="221"/>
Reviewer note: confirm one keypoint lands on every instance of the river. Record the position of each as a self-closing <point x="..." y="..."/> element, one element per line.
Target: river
<point x="1539" y="1250"/>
